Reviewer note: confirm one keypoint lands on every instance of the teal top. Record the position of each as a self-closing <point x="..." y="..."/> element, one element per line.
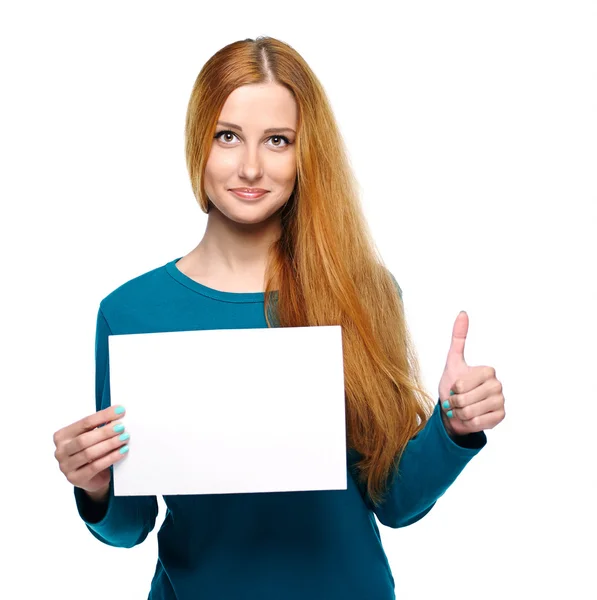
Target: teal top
<point x="320" y="545"/>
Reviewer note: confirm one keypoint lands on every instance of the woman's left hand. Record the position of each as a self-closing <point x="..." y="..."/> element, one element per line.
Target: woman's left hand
<point x="478" y="402"/>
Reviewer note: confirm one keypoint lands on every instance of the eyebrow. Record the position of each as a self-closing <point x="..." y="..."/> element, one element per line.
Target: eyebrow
<point x="270" y="130"/>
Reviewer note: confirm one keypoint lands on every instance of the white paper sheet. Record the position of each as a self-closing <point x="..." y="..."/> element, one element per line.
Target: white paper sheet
<point x="230" y="410"/>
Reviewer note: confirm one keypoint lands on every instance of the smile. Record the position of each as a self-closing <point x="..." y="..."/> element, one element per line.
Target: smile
<point x="249" y="195"/>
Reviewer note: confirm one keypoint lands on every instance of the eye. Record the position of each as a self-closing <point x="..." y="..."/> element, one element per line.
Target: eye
<point x="280" y="137"/>
<point x="221" y="133"/>
<point x="220" y="136"/>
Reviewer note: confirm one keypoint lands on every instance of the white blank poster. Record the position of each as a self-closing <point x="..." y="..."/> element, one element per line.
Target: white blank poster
<point x="230" y="410"/>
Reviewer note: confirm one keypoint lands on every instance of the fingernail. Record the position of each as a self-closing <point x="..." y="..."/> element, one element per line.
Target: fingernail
<point x="449" y="413"/>
<point x="119" y="410"/>
<point x="118" y="428"/>
<point x="124" y="449"/>
<point x="451" y="393"/>
<point x="124" y="436"/>
<point x="446" y="404"/>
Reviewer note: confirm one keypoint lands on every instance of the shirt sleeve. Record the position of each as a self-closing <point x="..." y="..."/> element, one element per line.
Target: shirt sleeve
<point x="431" y="462"/>
<point x="124" y="521"/>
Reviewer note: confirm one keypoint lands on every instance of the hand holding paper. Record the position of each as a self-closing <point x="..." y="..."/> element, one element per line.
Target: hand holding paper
<point x="85" y="451"/>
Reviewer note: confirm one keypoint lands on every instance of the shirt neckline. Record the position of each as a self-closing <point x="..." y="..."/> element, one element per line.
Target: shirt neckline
<point x="204" y="290"/>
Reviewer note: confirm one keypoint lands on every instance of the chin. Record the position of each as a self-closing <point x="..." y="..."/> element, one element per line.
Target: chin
<point x="248" y="213"/>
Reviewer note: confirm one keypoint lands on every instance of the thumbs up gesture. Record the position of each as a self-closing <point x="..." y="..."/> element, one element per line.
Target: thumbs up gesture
<point x="471" y="397"/>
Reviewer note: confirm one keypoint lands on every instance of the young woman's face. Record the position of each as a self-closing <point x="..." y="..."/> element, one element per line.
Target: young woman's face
<point x="248" y="156"/>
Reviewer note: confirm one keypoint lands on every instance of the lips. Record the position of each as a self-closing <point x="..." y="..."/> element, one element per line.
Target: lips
<point x="248" y="193"/>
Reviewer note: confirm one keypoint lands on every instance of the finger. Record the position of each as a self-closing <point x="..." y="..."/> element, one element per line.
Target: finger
<point x="88" y="423"/>
<point x="81" y="476"/>
<point x="486" y="421"/>
<point x="478" y="409"/>
<point x="473" y="379"/>
<point x="483" y="389"/>
<point x="90" y="438"/>
<point x="96" y="451"/>
<point x="459" y="333"/>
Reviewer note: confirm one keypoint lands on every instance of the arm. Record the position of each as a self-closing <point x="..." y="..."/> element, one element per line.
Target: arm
<point x="122" y="521"/>
<point x="431" y="462"/>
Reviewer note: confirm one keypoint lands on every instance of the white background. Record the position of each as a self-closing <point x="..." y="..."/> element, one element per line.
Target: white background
<point x="472" y="129"/>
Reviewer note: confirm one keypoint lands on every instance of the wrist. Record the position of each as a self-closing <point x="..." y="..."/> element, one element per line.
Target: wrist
<point x="99" y="496"/>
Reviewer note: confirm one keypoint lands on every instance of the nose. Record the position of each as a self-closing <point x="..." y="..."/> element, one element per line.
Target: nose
<point x="251" y="166"/>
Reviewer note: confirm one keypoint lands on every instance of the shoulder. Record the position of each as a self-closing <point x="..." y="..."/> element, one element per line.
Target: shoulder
<point x="396" y="284"/>
<point x="135" y="295"/>
<point x="389" y="274"/>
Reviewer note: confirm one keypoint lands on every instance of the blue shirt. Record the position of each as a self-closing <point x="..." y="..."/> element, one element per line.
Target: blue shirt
<point x="285" y="545"/>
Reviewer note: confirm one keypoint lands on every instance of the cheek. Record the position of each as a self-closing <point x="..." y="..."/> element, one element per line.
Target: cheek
<point x="219" y="166"/>
<point x="286" y="170"/>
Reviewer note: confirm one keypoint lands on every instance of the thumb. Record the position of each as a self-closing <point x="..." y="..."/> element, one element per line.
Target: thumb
<point x="459" y="332"/>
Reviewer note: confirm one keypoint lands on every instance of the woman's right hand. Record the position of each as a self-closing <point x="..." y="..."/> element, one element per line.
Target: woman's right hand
<point x="86" y="451"/>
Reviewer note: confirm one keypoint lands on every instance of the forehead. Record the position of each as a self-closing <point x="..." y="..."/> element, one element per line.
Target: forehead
<point x="260" y="106"/>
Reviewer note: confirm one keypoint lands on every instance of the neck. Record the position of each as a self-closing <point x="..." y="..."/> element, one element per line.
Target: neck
<point x="236" y="249"/>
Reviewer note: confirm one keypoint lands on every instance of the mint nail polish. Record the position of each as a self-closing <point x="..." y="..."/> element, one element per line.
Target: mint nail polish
<point x="451" y="393"/>
<point x="119" y="410"/>
<point x="118" y="428"/>
<point x="446" y="404"/>
<point x="449" y="413"/>
<point x="124" y="436"/>
<point x="124" y="449"/>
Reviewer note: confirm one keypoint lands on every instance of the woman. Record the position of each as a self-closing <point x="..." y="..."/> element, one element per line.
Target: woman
<point x="286" y="245"/>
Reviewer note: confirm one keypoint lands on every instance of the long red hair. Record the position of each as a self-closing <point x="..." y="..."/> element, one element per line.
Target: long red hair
<point x="325" y="265"/>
